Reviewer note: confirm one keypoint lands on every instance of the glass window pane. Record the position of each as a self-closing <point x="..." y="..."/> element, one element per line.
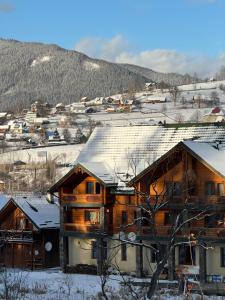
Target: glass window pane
<point x="94" y="250"/>
<point x="177" y="188"/>
<point x="123" y="252"/>
<point x="169" y="189"/>
<point x="124" y="218"/>
<point x="222" y="251"/>
<point x="210" y="188"/>
<point x="90" y="188"/>
<point x="97" y="188"/>
<point x="220" y="189"/>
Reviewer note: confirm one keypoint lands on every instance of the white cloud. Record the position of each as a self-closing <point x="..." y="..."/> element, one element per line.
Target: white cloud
<point x="119" y="50"/>
<point x="103" y="48"/>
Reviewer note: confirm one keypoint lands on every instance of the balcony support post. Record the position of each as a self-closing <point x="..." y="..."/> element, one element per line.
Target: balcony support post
<point x="100" y="256"/>
<point x="139" y="249"/>
<point x="63" y="242"/>
<point x="139" y="260"/>
<point x="202" y="263"/>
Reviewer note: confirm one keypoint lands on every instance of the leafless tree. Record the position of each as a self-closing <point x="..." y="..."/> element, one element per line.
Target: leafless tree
<point x="150" y="204"/>
<point x="67" y="135"/>
<point x="214" y="96"/>
<point x="175" y="94"/>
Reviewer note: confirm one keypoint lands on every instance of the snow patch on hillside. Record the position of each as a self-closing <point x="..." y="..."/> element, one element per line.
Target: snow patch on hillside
<point x="201" y="86"/>
<point x="40" y="60"/>
<point x="89" y="66"/>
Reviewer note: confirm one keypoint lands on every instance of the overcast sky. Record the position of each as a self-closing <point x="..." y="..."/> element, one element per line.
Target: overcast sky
<point x="184" y="36"/>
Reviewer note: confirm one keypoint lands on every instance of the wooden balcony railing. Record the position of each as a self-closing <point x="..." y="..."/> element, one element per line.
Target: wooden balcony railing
<point x="85" y="228"/>
<point x="81" y="198"/>
<point x="16" y="235"/>
<point x="164" y="231"/>
<point x="179" y="200"/>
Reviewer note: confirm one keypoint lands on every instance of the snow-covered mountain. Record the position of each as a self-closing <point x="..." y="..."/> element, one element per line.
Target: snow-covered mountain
<point x="29" y="71"/>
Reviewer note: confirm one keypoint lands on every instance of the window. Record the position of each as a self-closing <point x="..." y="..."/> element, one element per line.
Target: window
<point x="124" y="218"/>
<point x="213" y="220"/>
<point x="174" y="188"/>
<point x="21" y="223"/>
<point x="153" y="253"/>
<point x="214" y="188"/>
<point x="167" y="218"/>
<point x="69" y="215"/>
<point x="210" y="188"/>
<point x="93" y="187"/>
<point x="158" y="253"/>
<point x="135" y="217"/>
<point x="220" y="189"/>
<point x="91" y="216"/>
<point x="104" y="250"/>
<point x="97" y="188"/>
<point x="186" y="255"/>
<point x="222" y="256"/>
<point x="94" y="250"/>
<point x="124" y="252"/>
<point x="89" y="187"/>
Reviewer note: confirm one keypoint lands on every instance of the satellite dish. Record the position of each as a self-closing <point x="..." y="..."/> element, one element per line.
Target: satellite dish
<point x="36" y="252"/>
<point x="48" y="246"/>
<point x="122" y="235"/>
<point x="131" y="236"/>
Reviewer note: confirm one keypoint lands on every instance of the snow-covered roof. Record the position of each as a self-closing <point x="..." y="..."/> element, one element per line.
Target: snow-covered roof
<point x="40" y="211"/>
<point x="212" y="156"/>
<point x="213" y="118"/>
<point x="102" y="171"/>
<point x="129" y="150"/>
<point x="156" y="98"/>
<point x="3" y="200"/>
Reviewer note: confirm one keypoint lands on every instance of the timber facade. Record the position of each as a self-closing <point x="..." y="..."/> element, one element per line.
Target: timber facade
<point x="29" y="238"/>
<point x="91" y="208"/>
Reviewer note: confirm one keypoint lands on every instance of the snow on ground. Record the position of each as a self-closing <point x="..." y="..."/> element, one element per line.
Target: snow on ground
<point x="201" y="85"/>
<point x="55" y="285"/>
<point x="62" y="154"/>
<point x="89" y="66"/>
<point x="40" y="60"/>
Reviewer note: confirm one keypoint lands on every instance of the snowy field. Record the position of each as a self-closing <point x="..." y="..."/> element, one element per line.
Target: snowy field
<point x="62" y="154"/>
<point x="54" y="285"/>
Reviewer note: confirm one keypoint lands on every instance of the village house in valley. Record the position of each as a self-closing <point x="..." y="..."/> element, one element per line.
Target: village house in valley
<point x="29" y="232"/>
<point x="100" y="198"/>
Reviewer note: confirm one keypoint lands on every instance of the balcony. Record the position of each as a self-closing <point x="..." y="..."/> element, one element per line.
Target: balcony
<point x="164" y="231"/>
<point x="84" y="198"/>
<point x="176" y="202"/>
<point x="84" y="228"/>
<point x="16" y="236"/>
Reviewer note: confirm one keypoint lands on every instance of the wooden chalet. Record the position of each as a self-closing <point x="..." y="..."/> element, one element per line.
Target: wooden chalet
<point x="190" y="176"/>
<point x="95" y="201"/>
<point x="29" y="233"/>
